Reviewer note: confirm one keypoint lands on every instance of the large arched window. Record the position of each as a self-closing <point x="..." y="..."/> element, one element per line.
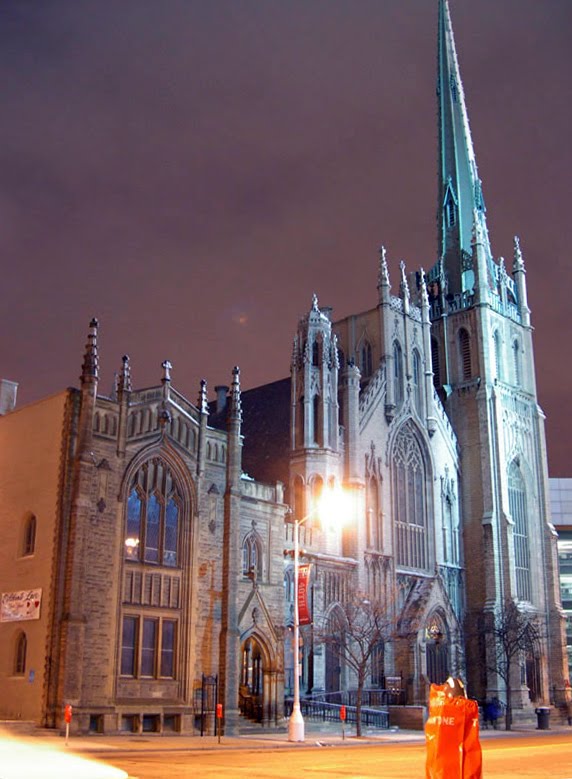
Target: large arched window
<point x="410" y="509"/>
<point x="21" y="648"/>
<point x="465" y="354"/>
<point x="153" y="516"/>
<point x="519" y="513"/>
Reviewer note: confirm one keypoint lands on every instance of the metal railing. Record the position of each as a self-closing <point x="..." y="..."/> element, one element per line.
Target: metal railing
<point x="313" y="708"/>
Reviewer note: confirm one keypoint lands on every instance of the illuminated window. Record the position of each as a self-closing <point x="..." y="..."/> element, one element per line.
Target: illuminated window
<point x="153" y="516"/>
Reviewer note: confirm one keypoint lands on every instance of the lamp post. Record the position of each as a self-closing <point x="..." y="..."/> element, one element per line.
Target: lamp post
<point x="296" y="721"/>
<point x="330" y="505"/>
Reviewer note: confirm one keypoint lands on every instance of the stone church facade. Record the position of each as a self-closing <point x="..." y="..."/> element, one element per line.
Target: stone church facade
<point x="145" y="534"/>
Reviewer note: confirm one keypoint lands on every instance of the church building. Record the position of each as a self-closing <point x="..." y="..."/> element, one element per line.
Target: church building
<point x="145" y="570"/>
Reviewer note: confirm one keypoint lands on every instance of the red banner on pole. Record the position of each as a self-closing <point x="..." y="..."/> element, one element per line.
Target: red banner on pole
<point x="304" y="616"/>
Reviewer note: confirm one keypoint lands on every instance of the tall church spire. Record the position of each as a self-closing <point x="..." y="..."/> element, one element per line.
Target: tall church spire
<point x="460" y="198"/>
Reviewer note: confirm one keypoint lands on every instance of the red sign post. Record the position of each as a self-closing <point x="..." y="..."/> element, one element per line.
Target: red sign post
<point x="67" y="719"/>
<point x="219" y="719"/>
<point x="343" y="715"/>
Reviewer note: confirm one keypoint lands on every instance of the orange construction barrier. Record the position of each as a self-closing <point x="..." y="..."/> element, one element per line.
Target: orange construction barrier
<point x="452" y="734"/>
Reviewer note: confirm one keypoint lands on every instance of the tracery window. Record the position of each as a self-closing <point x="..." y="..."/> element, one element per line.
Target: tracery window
<point x="519" y="513"/>
<point x="252" y="555"/>
<point x="153" y="516"/>
<point x="410" y="511"/>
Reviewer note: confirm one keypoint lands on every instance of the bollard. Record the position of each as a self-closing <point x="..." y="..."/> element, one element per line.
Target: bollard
<point x="219" y="719"/>
<point x="343" y="721"/>
<point x="67" y="718"/>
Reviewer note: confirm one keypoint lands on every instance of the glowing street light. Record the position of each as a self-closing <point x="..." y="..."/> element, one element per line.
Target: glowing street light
<point x="332" y="507"/>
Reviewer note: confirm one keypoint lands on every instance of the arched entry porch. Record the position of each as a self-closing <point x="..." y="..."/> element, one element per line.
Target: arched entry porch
<point x="258" y="691"/>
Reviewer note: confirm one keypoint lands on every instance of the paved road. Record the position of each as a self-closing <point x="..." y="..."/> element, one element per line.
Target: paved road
<point x="542" y="756"/>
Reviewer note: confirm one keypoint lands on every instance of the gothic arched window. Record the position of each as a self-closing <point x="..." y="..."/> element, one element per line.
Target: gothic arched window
<point x="315" y="353"/>
<point x="465" y="354"/>
<point x="299" y="506"/>
<point x="518" y="509"/>
<point x="252" y="555"/>
<point x="410" y="510"/>
<point x="516" y="362"/>
<point x="153" y="516"/>
<point x="497" y="354"/>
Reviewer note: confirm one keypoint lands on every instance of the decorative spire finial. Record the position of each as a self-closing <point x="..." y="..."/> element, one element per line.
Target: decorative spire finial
<point x="235" y="402"/>
<point x="203" y="401"/>
<point x="518" y="264"/>
<point x="423" y="286"/>
<point x="383" y="275"/>
<point x="167" y="367"/>
<point x="124" y="379"/>
<point x="315" y="302"/>
<point x="90" y="367"/>
<point x="404" y="286"/>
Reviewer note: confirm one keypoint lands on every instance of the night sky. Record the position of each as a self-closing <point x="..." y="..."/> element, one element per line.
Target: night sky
<point x="191" y="171"/>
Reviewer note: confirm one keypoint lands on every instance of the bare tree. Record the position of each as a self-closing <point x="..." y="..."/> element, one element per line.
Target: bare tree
<point x="509" y="634"/>
<point x="355" y="630"/>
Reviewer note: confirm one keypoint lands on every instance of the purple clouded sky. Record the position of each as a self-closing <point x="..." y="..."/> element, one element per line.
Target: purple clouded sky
<point x="191" y="171"/>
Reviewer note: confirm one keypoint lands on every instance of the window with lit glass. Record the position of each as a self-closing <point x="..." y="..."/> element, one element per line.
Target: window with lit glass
<point x="153" y="516"/>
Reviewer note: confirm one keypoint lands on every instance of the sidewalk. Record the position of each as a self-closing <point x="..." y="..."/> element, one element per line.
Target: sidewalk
<point x="318" y="734"/>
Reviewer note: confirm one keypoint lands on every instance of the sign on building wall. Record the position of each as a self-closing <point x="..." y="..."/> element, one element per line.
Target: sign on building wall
<point x="19" y="606"/>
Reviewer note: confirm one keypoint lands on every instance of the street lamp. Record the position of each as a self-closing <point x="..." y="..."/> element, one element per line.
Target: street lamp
<point x="330" y="505"/>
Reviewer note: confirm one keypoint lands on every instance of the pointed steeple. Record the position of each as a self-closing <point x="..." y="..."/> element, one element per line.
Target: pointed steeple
<point x="460" y="197"/>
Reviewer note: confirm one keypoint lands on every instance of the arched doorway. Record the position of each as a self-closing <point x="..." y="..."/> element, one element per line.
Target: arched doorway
<point x="251" y="694"/>
<point x="437" y="650"/>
